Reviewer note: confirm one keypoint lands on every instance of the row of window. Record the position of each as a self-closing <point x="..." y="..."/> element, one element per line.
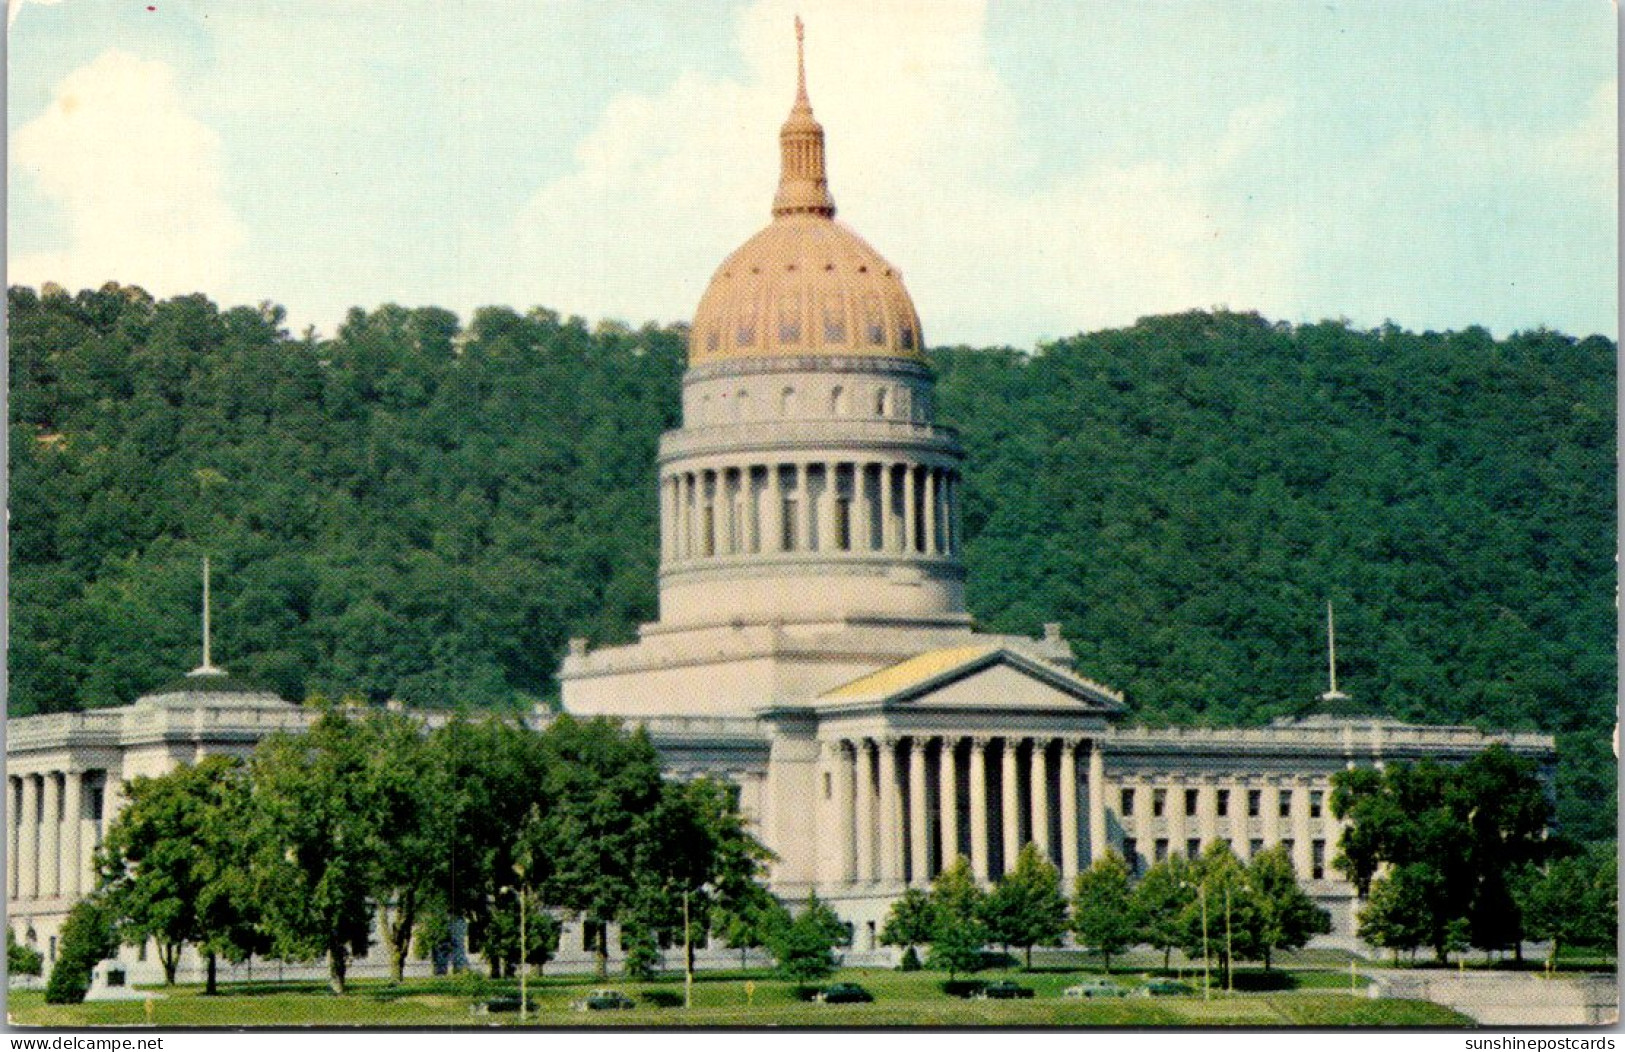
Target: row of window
<point x="793" y="324"/>
<point x="1193" y="849"/>
<point x="881" y="402"/>
<point x="1221" y="802"/>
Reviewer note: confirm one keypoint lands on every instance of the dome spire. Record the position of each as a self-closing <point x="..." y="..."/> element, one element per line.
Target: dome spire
<point x="801" y="64"/>
<point x="803" y="187"/>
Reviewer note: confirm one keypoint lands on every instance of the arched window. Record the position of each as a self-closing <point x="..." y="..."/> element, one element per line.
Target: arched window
<point x="837" y="401"/>
<point x="787" y="401"/>
<point x="790" y="318"/>
<point x="834" y="318"/>
<point x="874" y="322"/>
<point x="883" y="402"/>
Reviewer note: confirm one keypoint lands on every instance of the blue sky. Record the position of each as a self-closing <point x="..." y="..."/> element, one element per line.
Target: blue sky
<point x="1035" y="167"/>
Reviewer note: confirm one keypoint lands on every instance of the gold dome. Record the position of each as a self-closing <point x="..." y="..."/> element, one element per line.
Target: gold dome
<point x="806" y="284"/>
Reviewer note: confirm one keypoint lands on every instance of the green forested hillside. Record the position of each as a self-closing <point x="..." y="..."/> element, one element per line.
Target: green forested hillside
<point x="420" y="510"/>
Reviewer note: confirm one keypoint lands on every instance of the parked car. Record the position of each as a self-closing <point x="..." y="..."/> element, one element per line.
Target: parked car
<point x="1004" y="990"/>
<point x="1093" y="988"/>
<point x="843" y="993"/>
<point x="604" y="1001"/>
<point x="1165" y="988"/>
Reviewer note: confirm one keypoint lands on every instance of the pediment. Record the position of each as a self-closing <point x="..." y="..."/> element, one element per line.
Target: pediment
<point x="978" y="679"/>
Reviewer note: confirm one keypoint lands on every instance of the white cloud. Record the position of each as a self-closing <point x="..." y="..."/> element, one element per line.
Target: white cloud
<point x="14" y="8"/>
<point x="137" y="180"/>
<point x="927" y="160"/>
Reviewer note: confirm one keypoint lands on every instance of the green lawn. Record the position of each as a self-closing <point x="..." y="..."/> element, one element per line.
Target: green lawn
<point x="734" y="999"/>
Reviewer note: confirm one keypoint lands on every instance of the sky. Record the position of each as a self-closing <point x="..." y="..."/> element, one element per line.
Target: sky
<point x="1035" y="168"/>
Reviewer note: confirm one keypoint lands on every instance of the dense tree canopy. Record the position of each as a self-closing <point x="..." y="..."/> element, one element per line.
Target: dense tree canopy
<point x="427" y="510"/>
<point x="1453" y="840"/>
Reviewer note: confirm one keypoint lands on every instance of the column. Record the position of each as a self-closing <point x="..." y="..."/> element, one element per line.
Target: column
<point x="1300" y="830"/>
<point x="863" y="516"/>
<point x="1069" y="814"/>
<point x="73" y="807"/>
<point x="90" y="838"/>
<point x="1207" y="814"/>
<point x="978" y="809"/>
<point x="804" y="508"/>
<point x="14" y="825"/>
<point x="28" y="856"/>
<point x="864" y="801"/>
<point x="665" y="519"/>
<point x="1039" y="779"/>
<point x="948" y="799"/>
<point x="918" y="857"/>
<point x="1008" y="800"/>
<point x="1097" y="800"/>
<point x="50" y="884"/>
<point x="1238" y="818"/>
<point x="910" y="510"/>
<point x="931" y="511"/>
<point x="891" y="841"/>
<point x="827" y="540"/>
<point x="727" y="531"/>
<point x="1144" y="823"/>
<point x="888" y="513"/>
<point x="845" y="811"/>
<point x="690" y="503"/>
<point x="774" y="542"/>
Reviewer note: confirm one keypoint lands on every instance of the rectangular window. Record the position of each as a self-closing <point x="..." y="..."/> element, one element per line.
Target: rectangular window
<point x="1161" y="849"/>
<point x="1317" y="859"/>
<point x="1316" y="800"/>
<point x="1221" y="801"/>
<point x="1191" y="797"/>
<point x="1159" y="802"/>
<point x="708" y="531"/>
<point x="1255" y="848"/>
<point x="1286" y="803"/>
<point x="141" y="951"/>
<point x="1193" y="848"/>
<point x="1131" y="855"/>
<point x="1289" y="846"/>
<point x="1255" y="802"/>
<point x="1125" y="805"/>
<point x="843" y="524"/>
<point x="829" y="785"/>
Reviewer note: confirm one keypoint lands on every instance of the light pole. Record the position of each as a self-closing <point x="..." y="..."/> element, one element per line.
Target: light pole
<point x="524" y="945"/>
<point x="1229" y="948"/>
<point x="688" y="948"/>
<point x="1207" y="968"/>
<point x="688" y="957"/>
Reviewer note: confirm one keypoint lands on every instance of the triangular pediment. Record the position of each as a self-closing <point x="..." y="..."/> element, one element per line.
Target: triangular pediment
<point x="987" y="678"/>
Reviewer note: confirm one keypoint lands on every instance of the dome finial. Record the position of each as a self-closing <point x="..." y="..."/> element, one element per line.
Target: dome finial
<point x="801" y="61"/>
<point x="803" y="188"/>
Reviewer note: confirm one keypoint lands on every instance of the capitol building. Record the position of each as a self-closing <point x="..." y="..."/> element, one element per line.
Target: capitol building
<point x="813" y="645"/>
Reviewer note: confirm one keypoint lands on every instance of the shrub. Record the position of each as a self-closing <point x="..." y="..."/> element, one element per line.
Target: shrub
<point x="22" y="959"/>
<point x="88" y="936"/>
